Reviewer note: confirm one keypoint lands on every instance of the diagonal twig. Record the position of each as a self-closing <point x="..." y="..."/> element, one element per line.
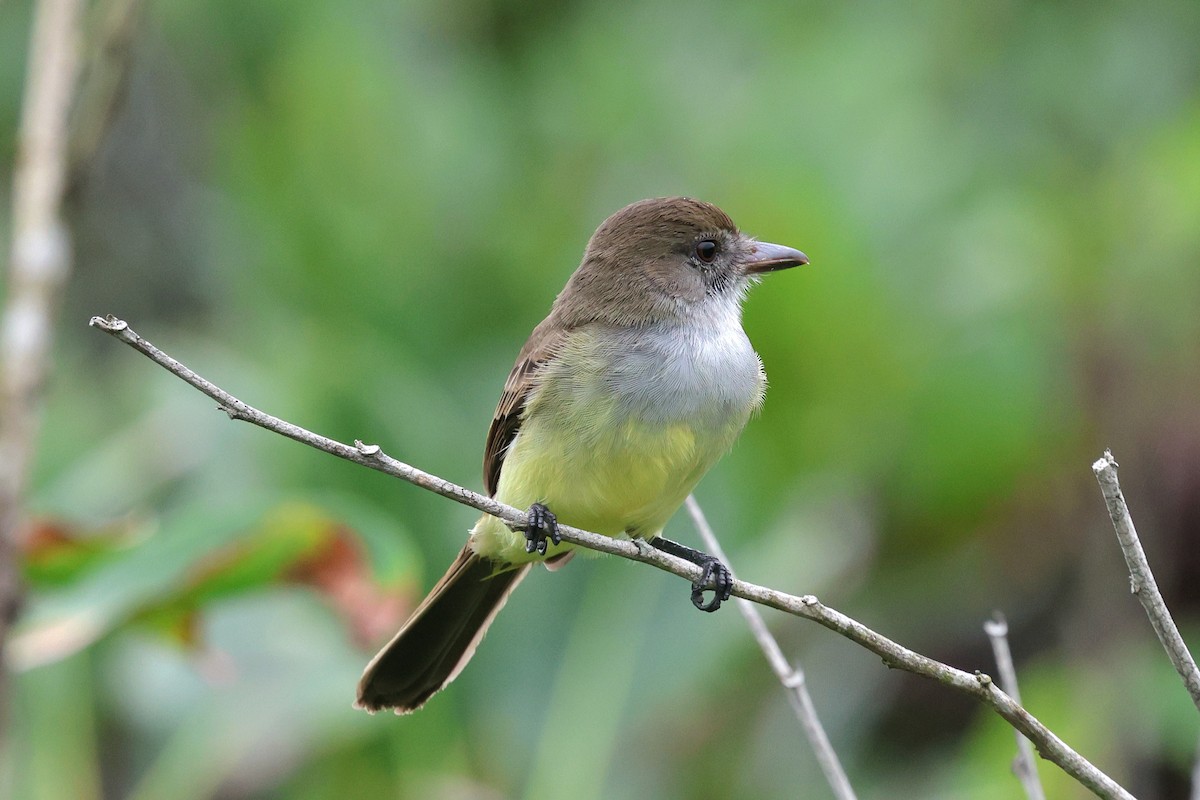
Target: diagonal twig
<point x="792" y="677"/>
<point x="1141" y="579"/>
<point x="977" y="685"/>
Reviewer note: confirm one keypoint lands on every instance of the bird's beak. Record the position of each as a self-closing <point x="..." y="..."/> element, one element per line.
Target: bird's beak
<point x="767" y="257"/>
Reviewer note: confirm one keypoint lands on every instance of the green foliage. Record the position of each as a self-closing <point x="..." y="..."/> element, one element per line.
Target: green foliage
<point x="351" y="215"/>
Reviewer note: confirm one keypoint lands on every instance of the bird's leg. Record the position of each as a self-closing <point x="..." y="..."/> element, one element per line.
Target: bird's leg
<point x="542" y="525"/>
<point x="712" y="571"/>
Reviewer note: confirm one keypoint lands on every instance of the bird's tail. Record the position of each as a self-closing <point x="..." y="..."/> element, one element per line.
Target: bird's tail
<point x="440" y="637"/>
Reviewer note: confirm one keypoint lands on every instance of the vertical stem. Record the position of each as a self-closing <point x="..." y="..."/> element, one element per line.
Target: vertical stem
<point x="1195" y="794"/>
<point x="1024" y="765"/>
<point x="38" y="265"/>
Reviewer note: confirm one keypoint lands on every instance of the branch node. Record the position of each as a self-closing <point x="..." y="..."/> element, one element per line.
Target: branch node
<point x="794" y="680"/>
<point x="108" y="323"/>
<point x="984" y="679"/>
<point x="367" y="449"/>
<point x="996" y="626"/>
<point x="1104" y="462"/>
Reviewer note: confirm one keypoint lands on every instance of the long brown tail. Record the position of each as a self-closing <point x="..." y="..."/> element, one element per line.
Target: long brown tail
<point x="440" y="637"/>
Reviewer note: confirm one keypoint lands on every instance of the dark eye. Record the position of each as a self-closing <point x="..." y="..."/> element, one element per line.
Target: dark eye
<point x="706" y="250"/>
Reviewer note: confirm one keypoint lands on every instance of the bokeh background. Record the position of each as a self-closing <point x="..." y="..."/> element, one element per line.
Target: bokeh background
<point x="351" y="214"/>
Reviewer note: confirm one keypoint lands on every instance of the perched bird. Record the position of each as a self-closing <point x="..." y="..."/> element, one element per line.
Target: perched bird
<point x="623" y="397"/>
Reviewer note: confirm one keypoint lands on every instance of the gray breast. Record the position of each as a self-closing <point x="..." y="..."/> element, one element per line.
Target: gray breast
<point x="696" y="370"/>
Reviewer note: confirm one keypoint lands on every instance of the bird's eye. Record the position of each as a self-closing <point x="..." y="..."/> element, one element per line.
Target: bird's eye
<point x="706" y="250"/>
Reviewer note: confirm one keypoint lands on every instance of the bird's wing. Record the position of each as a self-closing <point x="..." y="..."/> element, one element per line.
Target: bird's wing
<point x="542" y="346"/>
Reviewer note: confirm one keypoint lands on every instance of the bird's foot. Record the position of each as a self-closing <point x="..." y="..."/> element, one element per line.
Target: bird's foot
<point x="712" y="570"/>
<point x="713" y="574"/>
<point x="542" y="526"/>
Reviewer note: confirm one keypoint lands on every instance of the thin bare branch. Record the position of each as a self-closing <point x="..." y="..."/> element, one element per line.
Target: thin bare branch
<point x="1024" y="766"/>
<point x="1141" y="579"/>
<point x="976" y="685"/>
<point x="792" y="677"/>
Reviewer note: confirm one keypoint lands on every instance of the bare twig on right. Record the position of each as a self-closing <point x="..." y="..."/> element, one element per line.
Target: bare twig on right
<point x="1141" y="579"/>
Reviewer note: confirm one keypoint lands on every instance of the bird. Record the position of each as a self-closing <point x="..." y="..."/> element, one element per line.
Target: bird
<point x="639" y="379"/>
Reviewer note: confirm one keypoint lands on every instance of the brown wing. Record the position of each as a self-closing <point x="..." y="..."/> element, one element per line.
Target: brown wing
<point x="540" y="348"/>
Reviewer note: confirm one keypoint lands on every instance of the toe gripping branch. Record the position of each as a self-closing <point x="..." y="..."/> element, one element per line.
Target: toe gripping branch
<point x="542" y="526"/>
<point x="713" y="572"/>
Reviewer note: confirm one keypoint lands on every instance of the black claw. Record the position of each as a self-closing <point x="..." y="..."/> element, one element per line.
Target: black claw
<point x="712" y="571"/>
<point x="722" y="584"/>
<point x="542" y="525"/>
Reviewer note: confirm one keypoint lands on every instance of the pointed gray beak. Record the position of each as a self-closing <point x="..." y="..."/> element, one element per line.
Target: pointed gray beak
<point x="767" y="257"/>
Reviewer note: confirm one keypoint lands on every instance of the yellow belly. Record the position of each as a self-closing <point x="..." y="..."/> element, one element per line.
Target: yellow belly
<point x="625" y="477"/>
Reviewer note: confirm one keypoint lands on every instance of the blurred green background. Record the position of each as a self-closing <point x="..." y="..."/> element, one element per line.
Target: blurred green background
<point x="351" y="214"/>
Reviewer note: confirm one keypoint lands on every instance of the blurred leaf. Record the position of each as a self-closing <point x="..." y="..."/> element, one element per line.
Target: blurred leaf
<point x="57" y="552"/>
<point x="295" y="543"/>
<point x="168" y="579"/>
